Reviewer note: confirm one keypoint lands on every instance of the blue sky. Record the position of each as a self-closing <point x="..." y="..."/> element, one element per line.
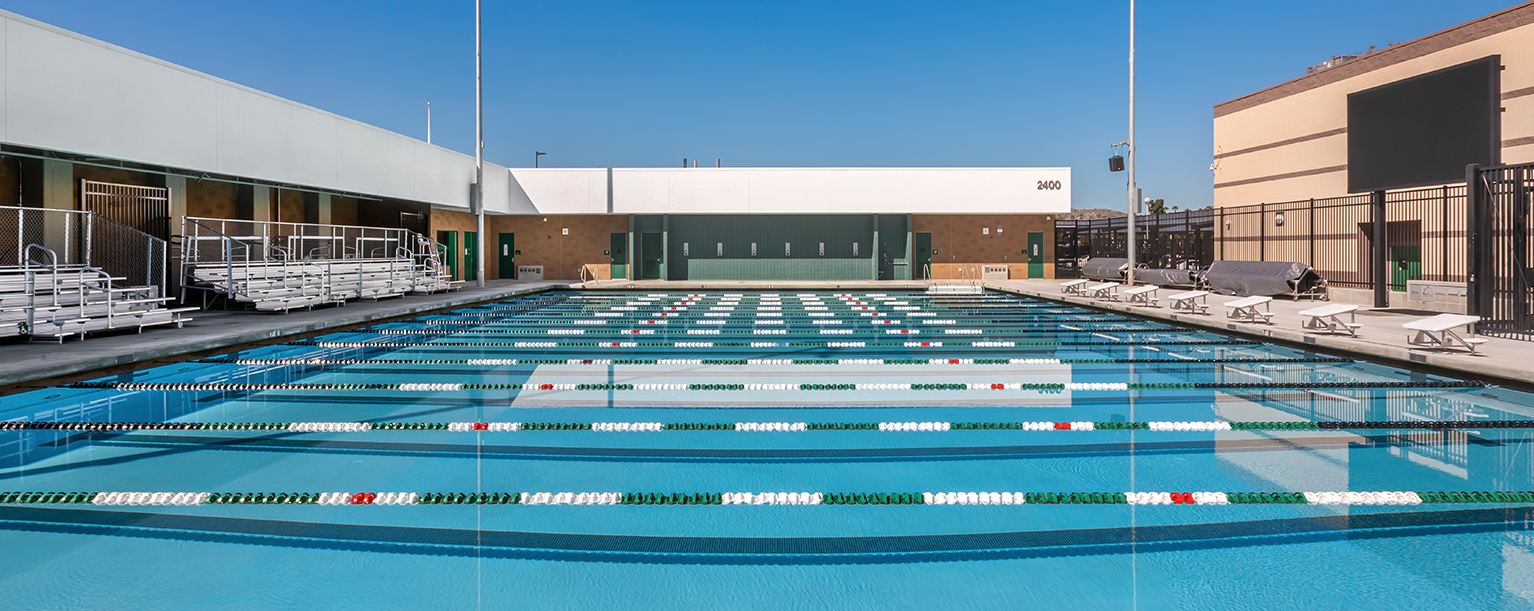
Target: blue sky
<point x="823" y="83"/>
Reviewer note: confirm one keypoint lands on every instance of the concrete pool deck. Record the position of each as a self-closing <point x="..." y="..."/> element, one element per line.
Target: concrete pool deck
<point x="1379" y="335"/>
<point x="22" y="362"/>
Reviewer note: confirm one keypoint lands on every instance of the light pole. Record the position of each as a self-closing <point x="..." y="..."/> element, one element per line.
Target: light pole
<point x="479" y="159"/>
<point x="1133" y="196"/>
<point x="428" y="122"/>
<point x="536" y="155"/>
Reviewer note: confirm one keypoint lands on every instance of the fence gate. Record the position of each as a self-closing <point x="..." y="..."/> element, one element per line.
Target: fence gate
<point x="1501" y="288"/>
<point x="146" y="209"/>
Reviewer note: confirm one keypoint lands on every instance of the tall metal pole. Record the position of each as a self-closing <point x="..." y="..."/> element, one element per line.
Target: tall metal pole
<point x="1133" y="191"/>
<point x="479" y="158"/>
<point x="428" y="122"/>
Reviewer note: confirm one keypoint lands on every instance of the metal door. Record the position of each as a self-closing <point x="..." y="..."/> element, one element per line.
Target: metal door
<point x="470" y="256"/>
<point x="146" y="209"/>
<point x="1035" y="254"/>
<point x="923" y="245"/>
<point x="617" y="258"/>
<point x="506" y="264"/>
<point x="650" y="256"/>
<point x="449" y="240"/>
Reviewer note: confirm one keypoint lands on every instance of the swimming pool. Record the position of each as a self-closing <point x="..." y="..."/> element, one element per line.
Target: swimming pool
<point x="768" y="449"/>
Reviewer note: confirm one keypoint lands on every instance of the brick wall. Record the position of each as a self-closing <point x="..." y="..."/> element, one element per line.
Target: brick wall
<point x="545" y="243"/>
<point x="958" y="239"/>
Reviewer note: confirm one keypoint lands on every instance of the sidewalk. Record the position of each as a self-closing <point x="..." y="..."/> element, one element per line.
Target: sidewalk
<point x="22" y="361"/>
<point x="1380" y="336"/>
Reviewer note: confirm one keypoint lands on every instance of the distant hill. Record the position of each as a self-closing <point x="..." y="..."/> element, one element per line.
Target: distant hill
<point x="1091" y="213"/>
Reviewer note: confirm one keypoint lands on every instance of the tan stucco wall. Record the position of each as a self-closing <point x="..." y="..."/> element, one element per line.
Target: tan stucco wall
<point x="1318" y="105"/>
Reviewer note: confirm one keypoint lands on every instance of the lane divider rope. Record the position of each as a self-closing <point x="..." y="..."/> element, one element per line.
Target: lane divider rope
<point x="1158" y="426"/>
<point x="126" y="498"/>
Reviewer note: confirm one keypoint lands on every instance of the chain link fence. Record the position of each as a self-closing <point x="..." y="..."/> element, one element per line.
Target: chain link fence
<point x="75" y="238"/>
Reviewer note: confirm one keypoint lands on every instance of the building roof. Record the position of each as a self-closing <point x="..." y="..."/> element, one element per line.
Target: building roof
<point x="1475" y="29"/>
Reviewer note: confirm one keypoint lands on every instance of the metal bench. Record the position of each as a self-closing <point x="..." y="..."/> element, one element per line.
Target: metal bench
<point x="1073" y="287"/>
<point x="1190" y="301"/>
<point x="1329" y="317"/>
<point x="1439" y="331"/>
<point x="1106" y="290"/>
<point x="1246" y="308"/>
<point x="1143" y="295"/>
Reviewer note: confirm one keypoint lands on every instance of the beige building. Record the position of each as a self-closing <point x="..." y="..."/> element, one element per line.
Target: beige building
<point x="1289" y="142"/>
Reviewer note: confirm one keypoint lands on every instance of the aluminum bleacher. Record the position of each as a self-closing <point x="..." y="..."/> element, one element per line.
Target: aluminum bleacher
<point x="67" y="273"/>
<point x="278" y="267"/>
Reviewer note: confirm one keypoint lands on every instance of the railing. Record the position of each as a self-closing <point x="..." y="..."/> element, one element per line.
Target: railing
<point x="1425" y="234"/>
<point x="307" y="253"/>
<point x="1501" y="290"/>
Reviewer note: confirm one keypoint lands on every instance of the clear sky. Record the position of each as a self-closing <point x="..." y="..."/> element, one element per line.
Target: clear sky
<point x="786" y="83"/>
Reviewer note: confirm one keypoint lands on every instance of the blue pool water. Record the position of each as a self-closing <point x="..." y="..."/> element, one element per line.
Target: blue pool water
<point x="614" y="358"/>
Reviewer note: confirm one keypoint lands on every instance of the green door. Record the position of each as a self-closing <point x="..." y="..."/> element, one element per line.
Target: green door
<point x="923" y="244"/>
<point x="1405" y="264"/>
<point x="449" y="239"/>
<point x="470" y="256"/>
<point x="1035" y="254"/>
<point x="616" y="257"/>
<point x="506" y="263"/>
<point x="649" y="255"/>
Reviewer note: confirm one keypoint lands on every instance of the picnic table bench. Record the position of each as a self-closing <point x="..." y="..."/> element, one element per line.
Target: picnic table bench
<point x="1144" y="295"/>
<point x="1106" y="290"/>
<point x="1329" y="317"/>
<point x="1246" y="308"/>
<point x="1439" y="331"/>
<point x="1072" y="287"/>
<point x="1191" y="301"/>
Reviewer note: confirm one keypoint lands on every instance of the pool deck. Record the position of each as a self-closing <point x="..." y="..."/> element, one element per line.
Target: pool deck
<point x="22" y="362"/>
<point x="1380" y="335"/>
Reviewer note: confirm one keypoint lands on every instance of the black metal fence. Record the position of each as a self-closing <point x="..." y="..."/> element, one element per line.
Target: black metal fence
<point x="1165" y="240"/>
<point x="1425" y="237"/>
<point x="1501" y="249"/>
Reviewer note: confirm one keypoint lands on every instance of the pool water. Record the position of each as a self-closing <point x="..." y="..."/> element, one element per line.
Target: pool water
<point x="768" y="463"/>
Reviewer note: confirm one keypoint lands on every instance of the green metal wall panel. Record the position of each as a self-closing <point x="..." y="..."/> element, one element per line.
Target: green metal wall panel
<point x="702" y="236"/>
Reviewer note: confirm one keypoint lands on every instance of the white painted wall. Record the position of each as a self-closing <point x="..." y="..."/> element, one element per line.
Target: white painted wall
<point x="792" y="190"/>
<point x="66" y="92"/>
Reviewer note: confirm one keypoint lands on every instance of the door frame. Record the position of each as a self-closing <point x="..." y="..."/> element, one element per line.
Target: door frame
<point x="449" y="239"/>
<point x="506" y="250"/>
<point x="471" y="267"/>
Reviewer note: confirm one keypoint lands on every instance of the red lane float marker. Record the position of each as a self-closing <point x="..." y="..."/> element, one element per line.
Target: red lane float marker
<point x="546" y="387"/>
<point x="363" y="498"/>
<point x="481" y="426"/>
<point x="998" y="386"/>
<point x="953" y="361"/>
<point x="1062" y="426"/>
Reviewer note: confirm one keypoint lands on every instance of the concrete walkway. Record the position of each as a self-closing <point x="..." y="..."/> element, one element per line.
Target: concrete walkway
<point x="1380" y="336"/>
<point x="22" y="362"/>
